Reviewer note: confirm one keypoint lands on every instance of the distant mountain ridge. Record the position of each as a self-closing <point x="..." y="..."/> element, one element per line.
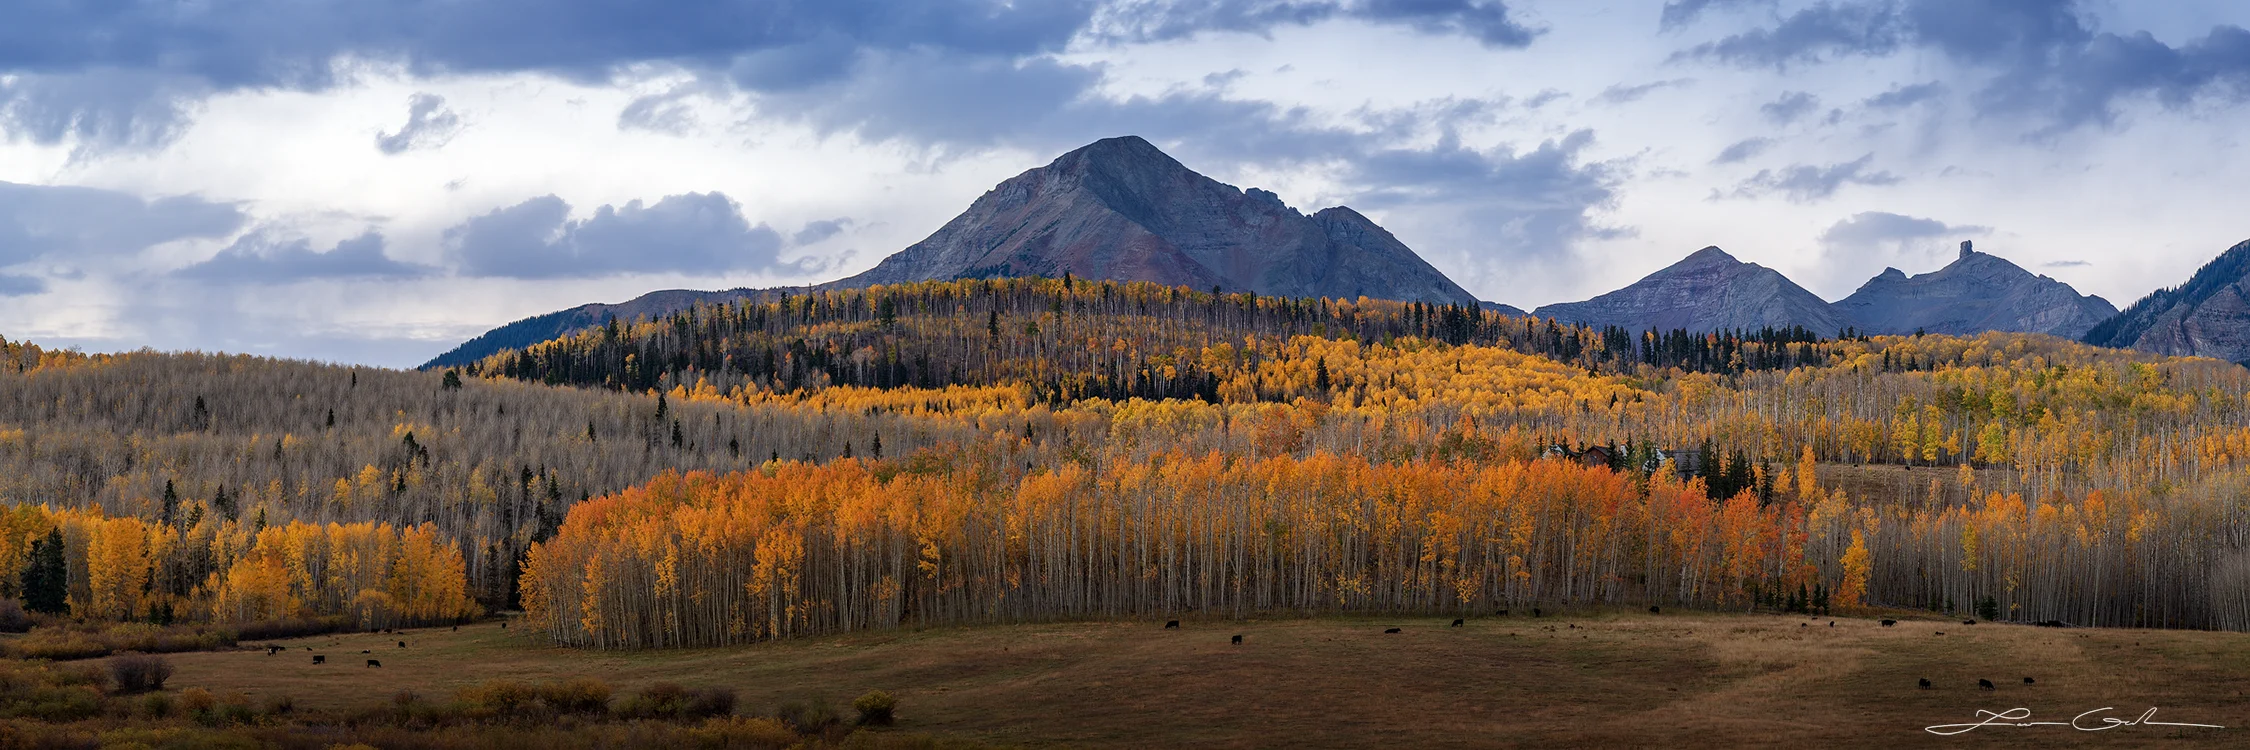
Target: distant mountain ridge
<point x="1117" y="209"/>
<point x="1707" y="291"/>
<point x="1711" y="290"/>
<point x="1978" y="292"/>
<point x="2208" y="316"/>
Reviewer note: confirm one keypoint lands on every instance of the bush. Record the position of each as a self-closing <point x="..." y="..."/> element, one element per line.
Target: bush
<point x="498" y="698"/>
<point x="665" y="700"/>
<point x="811" y="715"/>
<point x="139" y="673"/>
<point x="197" y="700"/>
<point x="583" y="695"/>
<point x="157" y="706"/>
<point x="876" y="709"/>
<point x="12" y="617"/>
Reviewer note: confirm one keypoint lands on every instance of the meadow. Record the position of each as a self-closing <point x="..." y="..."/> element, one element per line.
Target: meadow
<point x="1578" y="678"/>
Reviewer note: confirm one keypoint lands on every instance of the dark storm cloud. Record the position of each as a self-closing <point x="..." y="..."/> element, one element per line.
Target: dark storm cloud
<point x="2043" y="59"/>
<point x="686" y="233"/>
<point x="125" y="74"/>
<point x="257" y="258"/>
<point x="1805" y="183"/>
<point x="1789" y="107"/>
<point x="70" y="224"/>
<point x="428" y="125"/>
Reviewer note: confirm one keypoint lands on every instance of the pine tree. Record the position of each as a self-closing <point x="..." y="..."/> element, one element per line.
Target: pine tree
<point x="46" y="581"/>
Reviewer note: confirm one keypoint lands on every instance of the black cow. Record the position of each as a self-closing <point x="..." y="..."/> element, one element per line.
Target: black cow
<point x="457" y="628"/>
<point x="503" y="626"/>
<point x="1969" y="622"/>
<point x="1503" y="613"/>
<point x="1925" y="682"/>
<point x="365" y="651"/>
<point x="1941" y="632"/>
<point x="1171" y="624"/>
<point x="1238" y="640"/>
<point x="1535" y="612"/>
<point x="2029" y="681"/>
<point x="1888" y="623"/>
<point x="1986" y="684"/>
<point x="271" y="650"/>
<point x="1392" y="631"/>
<point x="1457" y="622"/>
<point x="374" y="663"/>
<point x="320" y="659"/>
<point x="402" y="644"/>
<point x="1654" y="610"/>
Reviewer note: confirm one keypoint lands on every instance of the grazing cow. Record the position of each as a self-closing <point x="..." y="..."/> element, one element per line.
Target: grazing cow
<point x="320" y="659"/>
<point x="1831" y="623"/>
<point x="1803" y="625"/>
<point x="457" y="628"/>
<point x="1238" y="640"/>
<point x="308" y="648"/>
<point x="1969" y="622"/>
<point x="1925" y="683"/>
<point x="1457" y="622"/>
<point x="402" y="644"/>
<point x="1535" y="612"/>
<point x="374" y="663"/>
<point x="503" y="625"/>
<point x="1986" y="684"/>
<point x="1941" y="632"/>
<point x="1503" y="613"/>
<point x="271" y="650"/>
<point x="1654" y="610"/>
<point x="2029" y="681"/>
<point x="365" y="651"/>
<point x="1888" y="623"/>
<point x="1171" y="624"/>
<point x="1393" y="631"/>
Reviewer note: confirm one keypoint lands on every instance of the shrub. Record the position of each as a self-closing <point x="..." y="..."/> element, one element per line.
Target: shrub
<point x="12" y="617"/>
<point x="877" y="709"/>
<point x="197" y="700"/>
<point x="665" y="700"/>
<point x="498" y="698"/>
<point x="583" y="695"/>
<point x="138" y="673"/>
<point x="744" y="732"/>
<point x="809" y="715"/>
<point x="157" y="705"/>
<point x="262" y="630"/>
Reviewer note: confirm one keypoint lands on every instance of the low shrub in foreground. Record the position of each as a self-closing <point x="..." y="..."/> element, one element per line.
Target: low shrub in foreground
<point x="665" y="700"/>
<point x="876" y="709"/>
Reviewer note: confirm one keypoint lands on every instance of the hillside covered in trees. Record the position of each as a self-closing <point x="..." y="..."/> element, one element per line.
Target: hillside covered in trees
<point x="1025" y="449"/>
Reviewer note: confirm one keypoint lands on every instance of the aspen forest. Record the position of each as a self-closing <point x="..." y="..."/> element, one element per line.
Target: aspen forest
<point x="1029" y="450"/>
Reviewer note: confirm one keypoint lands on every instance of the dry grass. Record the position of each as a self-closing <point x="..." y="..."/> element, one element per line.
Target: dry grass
<point x="1625" y="680"/>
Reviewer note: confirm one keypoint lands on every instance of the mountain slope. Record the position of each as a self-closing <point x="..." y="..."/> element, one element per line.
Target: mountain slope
<point x="1708" y="291"/>
<point x="550" y="326"/>
<point x="2209" y="316"/>
<point x="1122" y="209"/>
<point x="1978" y="292"/>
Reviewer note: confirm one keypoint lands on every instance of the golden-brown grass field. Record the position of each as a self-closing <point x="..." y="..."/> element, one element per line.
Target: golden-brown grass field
<point x="1568" y="679"/>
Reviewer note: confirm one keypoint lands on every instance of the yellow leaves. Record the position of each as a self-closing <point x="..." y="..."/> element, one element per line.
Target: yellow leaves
<point x="1858" y="565"/>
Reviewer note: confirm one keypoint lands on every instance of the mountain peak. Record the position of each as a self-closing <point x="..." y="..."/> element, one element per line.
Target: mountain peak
<point x="1975" y="293"/>
<point x="1708" y="255"/>
<point x="1121" y="209"/>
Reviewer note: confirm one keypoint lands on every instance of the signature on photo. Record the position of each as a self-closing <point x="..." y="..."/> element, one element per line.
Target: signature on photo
<point x="2090" y="721"/>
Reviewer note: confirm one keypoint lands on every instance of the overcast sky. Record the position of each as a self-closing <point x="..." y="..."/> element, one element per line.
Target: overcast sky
<point x="374" y="182"/>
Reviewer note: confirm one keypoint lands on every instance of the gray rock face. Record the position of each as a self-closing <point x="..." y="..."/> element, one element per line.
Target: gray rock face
<point x="1708" y="291"/>
<point x="2209" y="316"/>
<point x="1121" y="209"/>
<point x="1976" y="293"/>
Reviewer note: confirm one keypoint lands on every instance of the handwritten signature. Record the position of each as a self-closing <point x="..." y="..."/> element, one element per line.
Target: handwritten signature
<point x="2090" y="721"/>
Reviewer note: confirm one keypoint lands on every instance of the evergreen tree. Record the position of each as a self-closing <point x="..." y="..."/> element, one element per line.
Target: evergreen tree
<point x="452" y="380"/>
<point x="46" y="582"/>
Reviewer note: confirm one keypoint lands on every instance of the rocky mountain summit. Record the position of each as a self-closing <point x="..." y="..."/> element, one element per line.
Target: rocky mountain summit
<point x="1121" y="209"/>
<point x="1978" y="292"/>
<point x="2209" y="316"/>
<point x="1708" y="291"/>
